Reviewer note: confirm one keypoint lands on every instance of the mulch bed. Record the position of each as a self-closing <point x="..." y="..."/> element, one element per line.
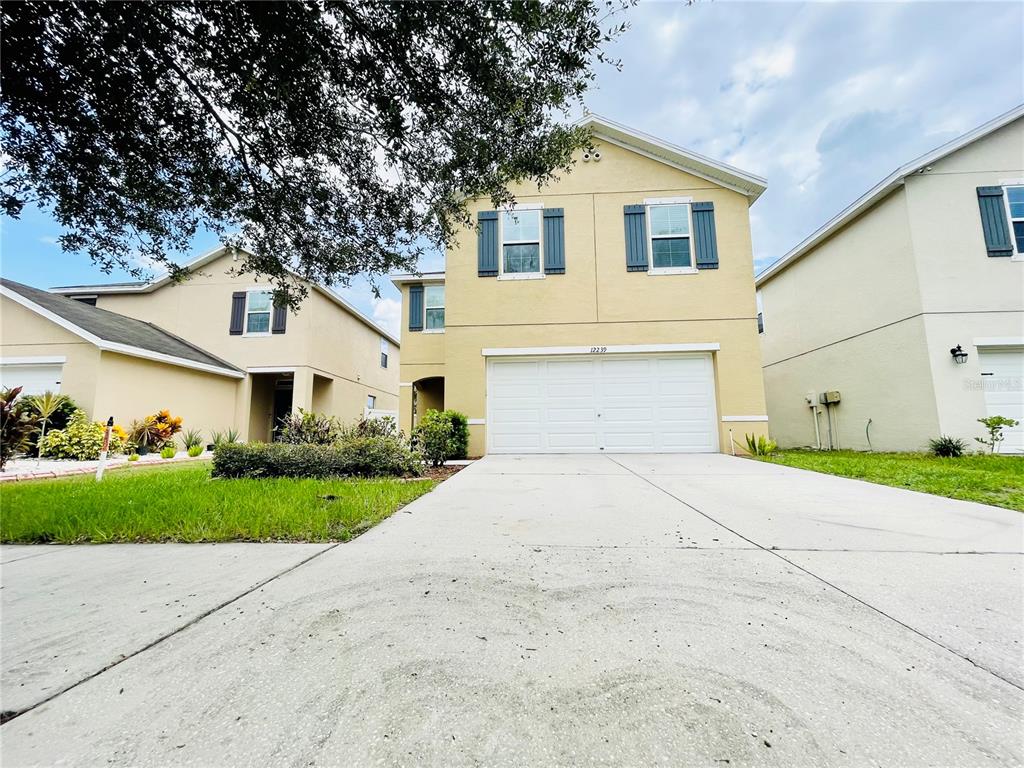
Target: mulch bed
<point x="442" y="473"/>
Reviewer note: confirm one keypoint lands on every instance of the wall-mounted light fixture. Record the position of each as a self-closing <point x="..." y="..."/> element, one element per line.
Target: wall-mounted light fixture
<point x="959" y="356"/>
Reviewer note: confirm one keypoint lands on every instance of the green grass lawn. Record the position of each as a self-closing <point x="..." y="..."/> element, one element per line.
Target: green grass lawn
<point x="997" y="480"/>
<point x="182" y="503"/>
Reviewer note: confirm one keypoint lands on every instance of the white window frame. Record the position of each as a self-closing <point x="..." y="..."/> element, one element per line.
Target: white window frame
<point x="385" y="351"/>
<point x="664" y="201"/>
<point x="539" y="274"/>
<point x="426" y="307"/>
<point x="760" y="313"/>
<point x="1016" y="255"/>
<point x="270" y="313"/>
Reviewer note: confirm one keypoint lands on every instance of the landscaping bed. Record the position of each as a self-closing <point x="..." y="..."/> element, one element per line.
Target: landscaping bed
<point x="182" y="503"/>
<point x="996" y="480"/>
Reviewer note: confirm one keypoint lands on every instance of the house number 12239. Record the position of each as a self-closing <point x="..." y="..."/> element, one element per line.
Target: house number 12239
<point x="598" y="350"/>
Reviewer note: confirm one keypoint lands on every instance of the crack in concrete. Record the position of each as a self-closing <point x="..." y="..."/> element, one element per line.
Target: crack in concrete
<point x="9" y="715"/>
<point x="823" y="580"/>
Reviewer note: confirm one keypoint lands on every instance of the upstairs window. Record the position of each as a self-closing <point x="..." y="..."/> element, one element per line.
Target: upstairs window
<point x="384" y="349"/>
<point x="433" y="303"/>
<point x="1015" y="205"/>
<point x="520" y="242"/>
<point x="760" y="313"/>
<point x="371" y="402"/>
<point x="257" y="312"/>
<point x="670" y="237"/>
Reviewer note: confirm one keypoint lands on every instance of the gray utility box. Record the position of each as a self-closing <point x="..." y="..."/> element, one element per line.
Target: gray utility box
<point x="829" y="397"/>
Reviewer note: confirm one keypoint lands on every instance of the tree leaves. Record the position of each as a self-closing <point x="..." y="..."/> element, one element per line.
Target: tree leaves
<point x="327" y="138"/>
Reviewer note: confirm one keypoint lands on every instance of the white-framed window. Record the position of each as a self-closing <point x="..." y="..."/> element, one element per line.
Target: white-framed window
<point x="384" y="349"/>
<point x="371" y="401"/>
<point x="760" y="312"/>
<point x="433" y="308"/>
<point x="669" y="231"/>
<point x="1014" y="196"/>
<point x="521" y="248"/>
<point x="258" y="306"/>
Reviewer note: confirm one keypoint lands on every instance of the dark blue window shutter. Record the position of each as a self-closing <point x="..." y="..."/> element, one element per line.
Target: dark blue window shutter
<point x="554" y="241"/>
<point x="279" y="319"/>
<point x="704" y="239"/>
<point x="993" y="221"/>
<point x="636" y="238"/>
<point x="237" y="313"/>
<point x="487" y="244"/>
<point x="416" y="307"/>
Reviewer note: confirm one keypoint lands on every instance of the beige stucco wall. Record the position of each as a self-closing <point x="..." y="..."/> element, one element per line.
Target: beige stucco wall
<point x="597" y="302"/>
<point x="321" y="338"/>
<point x="130" y="388"/>
<point x="919" y="254"/>
<point x="23" y="333"/>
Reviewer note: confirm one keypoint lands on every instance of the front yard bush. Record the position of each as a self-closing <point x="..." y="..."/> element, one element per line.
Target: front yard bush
<point x="443" y="435"/>
<point x="309" y="428"/>
<point x="81" y="440"/>
<point x="355" y="457"/>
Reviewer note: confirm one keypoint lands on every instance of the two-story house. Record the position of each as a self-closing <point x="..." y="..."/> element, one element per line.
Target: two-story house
<point x="909" y="305"/>
<point x="213" y="348"/>
<point x="609" y="311"/>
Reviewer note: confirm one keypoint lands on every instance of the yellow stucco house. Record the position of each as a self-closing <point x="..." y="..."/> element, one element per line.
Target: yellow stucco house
<point x="907" y="306"/>
<point x="610" y="311"/>
<point x="213" y="349"/>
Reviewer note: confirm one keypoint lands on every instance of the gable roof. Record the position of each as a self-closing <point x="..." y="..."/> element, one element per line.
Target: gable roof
<point x="116" y="333"/>
<point x="684" y="159"/>
<point x="886" y="186"/>
<point x="202" y="261"/>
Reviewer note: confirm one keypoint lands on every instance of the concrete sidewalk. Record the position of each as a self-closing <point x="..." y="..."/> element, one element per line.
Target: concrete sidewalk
<point x="612" y="610"/>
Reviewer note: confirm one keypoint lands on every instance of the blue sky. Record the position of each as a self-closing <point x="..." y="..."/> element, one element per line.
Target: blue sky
<point x="822" y="99"/>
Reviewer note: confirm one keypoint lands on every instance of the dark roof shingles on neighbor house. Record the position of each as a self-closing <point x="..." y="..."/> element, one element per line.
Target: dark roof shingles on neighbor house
<point x="115" y="328"/>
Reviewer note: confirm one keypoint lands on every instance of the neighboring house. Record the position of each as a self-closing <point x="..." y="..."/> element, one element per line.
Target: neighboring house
<point x="612" y="310"/>
<point x="874" y="304"/>
<point x="327" y="357"/>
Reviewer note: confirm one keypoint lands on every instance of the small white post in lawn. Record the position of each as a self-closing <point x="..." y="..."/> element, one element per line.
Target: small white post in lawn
<point x="104" y="449"/>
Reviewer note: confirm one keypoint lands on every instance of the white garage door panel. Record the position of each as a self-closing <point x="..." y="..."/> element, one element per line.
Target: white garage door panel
<point x="34" y="379"/>
<point x="636" y="403"/>
<point x="1003" y="380"/>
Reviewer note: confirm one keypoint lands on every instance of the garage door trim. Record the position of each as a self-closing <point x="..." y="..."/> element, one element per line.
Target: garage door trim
<point x="615" y="349"/>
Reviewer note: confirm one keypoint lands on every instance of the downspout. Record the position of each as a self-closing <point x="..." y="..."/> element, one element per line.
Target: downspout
<point x="817" y="431"/>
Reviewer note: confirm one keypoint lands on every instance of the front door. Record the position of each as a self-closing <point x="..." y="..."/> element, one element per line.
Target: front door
<point x="282" y="404"/>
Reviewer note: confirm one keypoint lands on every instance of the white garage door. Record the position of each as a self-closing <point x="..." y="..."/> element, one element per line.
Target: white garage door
<point x="34" y="379"/>
<point x="1002" y="375"/>
<point x="592" y="403"/>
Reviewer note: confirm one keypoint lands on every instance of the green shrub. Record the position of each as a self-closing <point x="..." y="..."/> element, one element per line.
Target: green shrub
<point x="195" y="450"/>
<point x="80" y="440"/>
<point x="442" y="435"/>
<point x="362" y="457"/>
<point x="460" y="434"/>
<point x="227" y="436"/>
<point x="762" y="446"/>
<point x="306" y="427"/>
<point x="168" y="452"/>
<point x="192" y="438"/>
<point x="994" y="425"/>
<point x="17" y="424"/>
<point x="133" y="457"/>
<point x="947" y="447"/>
<point x="383" y="427"/>
<point x="58" y="417"/>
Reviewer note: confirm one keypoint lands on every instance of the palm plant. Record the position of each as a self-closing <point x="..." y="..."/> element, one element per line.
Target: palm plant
<point x="45" y="405"/>
<point x="17" y="424"/>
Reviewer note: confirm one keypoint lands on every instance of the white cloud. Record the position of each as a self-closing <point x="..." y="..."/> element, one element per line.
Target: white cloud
<point x="388" y="313"/>
<point x="48" y="240"/>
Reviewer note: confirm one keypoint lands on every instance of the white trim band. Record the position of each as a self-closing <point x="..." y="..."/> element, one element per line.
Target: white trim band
<point x="744" y="418"/>
<point x="41" y="360"/>
<point x="999" y="341"/>
<point x="476" y="422"/>
<point x="269" y="369"/>
<point x="619" y="349"/>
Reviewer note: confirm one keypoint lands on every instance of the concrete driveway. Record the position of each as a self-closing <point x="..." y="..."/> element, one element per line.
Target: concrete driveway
<point x="556" y="610"/>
